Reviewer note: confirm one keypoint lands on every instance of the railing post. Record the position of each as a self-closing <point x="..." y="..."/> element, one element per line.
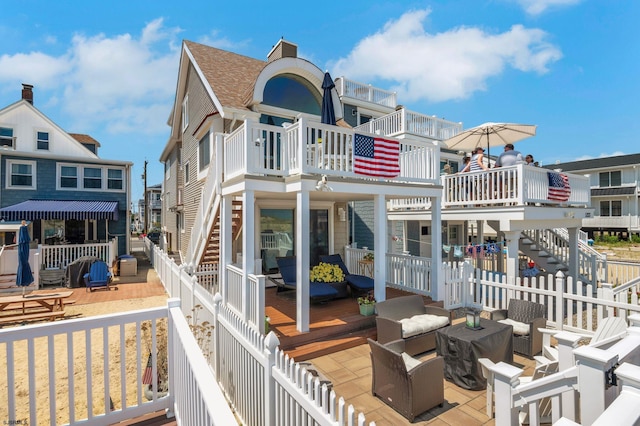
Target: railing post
<point x="505" y="377"/>
<point x="559" y="302"/>
<point x="271" y="343"/>
<point x="171" y="303"/>
<point x="567" y="343"/>
<point x="607" y="294"/>
<point x="593" y="367"/>
<point x="217" y="299"/>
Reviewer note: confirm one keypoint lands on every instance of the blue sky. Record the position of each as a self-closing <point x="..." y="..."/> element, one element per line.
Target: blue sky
<point x="109" y="69"/>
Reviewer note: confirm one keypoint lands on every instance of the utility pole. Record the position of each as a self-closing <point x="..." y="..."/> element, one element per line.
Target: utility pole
<point x="146" y="202"/>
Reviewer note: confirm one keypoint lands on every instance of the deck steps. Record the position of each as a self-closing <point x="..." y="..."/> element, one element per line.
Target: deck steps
<point x="333" y="344"/>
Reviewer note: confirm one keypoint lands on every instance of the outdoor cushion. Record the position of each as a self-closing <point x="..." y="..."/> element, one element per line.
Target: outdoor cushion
<point x="360" y="282"/>
<point x="321" y="290"/>
<point x="409" y="361"/>
<point x="519" y="328"/>
<point x="419" y="324"/>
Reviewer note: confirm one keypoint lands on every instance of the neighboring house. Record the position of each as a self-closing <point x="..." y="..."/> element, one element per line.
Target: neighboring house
<point x="615" y="193"/>
<point x="151" y="219"/>
<point x="57" y="180"/>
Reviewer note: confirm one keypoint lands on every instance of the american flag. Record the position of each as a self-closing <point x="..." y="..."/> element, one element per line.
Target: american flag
<point x="559" y="188"/>
<point x="147" y="376"/>
<point x="375" y="156"/>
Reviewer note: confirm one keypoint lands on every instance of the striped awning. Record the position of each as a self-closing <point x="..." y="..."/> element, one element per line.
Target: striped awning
<point x="60" y="209"/>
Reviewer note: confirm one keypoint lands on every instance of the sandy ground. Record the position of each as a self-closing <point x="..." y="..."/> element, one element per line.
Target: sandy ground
<point x="58" y="388"/>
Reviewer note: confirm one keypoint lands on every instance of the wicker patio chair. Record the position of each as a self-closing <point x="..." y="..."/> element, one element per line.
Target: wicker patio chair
<point x="526" y="317"/>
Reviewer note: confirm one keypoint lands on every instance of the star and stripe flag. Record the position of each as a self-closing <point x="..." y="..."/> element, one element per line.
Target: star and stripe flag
<point x="147" y="375"/>
<point x="559" y="188"/>
<point x="376" y="156"/>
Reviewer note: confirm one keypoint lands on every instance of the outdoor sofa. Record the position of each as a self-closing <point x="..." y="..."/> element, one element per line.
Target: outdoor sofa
<point x="407" y="318"/>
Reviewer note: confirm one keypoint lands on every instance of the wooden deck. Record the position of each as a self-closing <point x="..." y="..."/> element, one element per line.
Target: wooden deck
<point x="333" y="326"/>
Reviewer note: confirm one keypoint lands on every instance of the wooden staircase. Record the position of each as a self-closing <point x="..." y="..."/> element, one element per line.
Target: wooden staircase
<point x="211" y="252"/>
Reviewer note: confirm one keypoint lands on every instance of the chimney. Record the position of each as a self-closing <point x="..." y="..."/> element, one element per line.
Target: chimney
<point x="27" y="92"/>
<point x="283" y="49"/>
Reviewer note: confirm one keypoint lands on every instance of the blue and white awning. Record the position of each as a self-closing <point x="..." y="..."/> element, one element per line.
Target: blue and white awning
<point x="61" y="209"/>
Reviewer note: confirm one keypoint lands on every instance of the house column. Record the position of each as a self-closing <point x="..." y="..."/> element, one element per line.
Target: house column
<point x="380" y="245"/>
<point x="573" y="254"/>
<point x="248" y="244"/>
<point x="302" y="261"/>
<point x="437" y="279"/>
<point x="512" y="240"/>
<point x="226" y="239"/>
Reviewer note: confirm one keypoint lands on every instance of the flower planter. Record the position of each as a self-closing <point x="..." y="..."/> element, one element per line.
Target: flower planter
<point x="367" y="310"/>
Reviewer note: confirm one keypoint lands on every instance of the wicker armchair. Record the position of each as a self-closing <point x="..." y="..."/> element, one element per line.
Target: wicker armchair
<point x="406" y="384"/>
<point x="527" y="342"/>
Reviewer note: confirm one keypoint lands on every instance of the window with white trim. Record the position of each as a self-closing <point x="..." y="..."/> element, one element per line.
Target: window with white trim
<point x="185" y="113"/>
<point x="114" y="179"/>
<point x="611" y="208"/>
<point x="167" y="169"/>
<point x="6" y="137"/>
<point x="21" y="174"/>
<point x="42" y="141"/>
<point x="204" y="153"/>
<point x="92" y="178"/>
<point x="186" y="172"/>
<point x="68" y="177"/>
<point x="613" y="178"/>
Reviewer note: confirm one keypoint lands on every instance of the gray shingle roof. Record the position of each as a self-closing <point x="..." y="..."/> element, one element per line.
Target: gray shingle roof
<point x="597" y="163"/>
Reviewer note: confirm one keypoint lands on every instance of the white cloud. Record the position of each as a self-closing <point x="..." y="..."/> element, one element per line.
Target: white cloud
<point x="536" y="7"/>
<point x="443" y="66"/>
<point x="223" y="43"/>
<point x="121" y="83"/>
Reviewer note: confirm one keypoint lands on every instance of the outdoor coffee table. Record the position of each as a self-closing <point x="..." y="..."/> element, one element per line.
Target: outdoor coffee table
<point x="461" y="348"/>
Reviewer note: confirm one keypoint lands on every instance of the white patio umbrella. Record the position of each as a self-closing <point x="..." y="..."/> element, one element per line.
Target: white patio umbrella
<point x="490" y="134"/>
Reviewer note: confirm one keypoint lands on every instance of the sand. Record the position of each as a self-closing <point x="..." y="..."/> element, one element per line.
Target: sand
<point x="59" y="385"/>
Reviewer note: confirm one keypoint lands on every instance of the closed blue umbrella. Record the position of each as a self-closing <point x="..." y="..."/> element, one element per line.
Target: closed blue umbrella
<point x="24" y="276"/>
<point x="328" y="114"/>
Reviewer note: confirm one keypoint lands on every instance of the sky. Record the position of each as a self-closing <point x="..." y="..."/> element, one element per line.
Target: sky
<point x="109" y="69"/>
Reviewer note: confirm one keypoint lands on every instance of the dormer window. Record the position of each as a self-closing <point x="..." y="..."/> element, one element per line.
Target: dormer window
<point x="6" y="137"/>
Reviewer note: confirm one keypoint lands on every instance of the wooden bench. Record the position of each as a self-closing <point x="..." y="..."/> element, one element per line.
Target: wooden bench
<point x="36" y="316"/>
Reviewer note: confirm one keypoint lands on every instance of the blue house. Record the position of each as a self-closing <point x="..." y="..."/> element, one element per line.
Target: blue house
<point x="57" y="181"/>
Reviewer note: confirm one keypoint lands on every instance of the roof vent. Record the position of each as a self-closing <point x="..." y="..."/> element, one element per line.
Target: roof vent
<point x="283" y="49"/>
<point x="27" y="93"/>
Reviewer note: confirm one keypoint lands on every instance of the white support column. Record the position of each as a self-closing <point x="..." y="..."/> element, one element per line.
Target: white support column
<point x="573" y="254"/>
<point x="437" y="279"/>
<point x="593" y="364"/>
<point x="380" y="244"/>
<point x="302" y="261"/>
<point x="226" y="239"/>
<point x="505" y="378"/>
<point x="248" y="243"/>
<point x="512" y="239"/>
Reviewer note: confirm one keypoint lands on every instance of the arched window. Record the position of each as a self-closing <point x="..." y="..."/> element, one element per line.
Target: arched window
<point x="292" y="92"/>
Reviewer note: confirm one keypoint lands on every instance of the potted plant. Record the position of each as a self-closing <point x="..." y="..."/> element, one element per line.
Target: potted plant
<point x="368" y="257"/>
<point x="367" y="304"/>
<point x="330" y="274"/>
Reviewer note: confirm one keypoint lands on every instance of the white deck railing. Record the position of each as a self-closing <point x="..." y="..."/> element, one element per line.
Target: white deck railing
<point x="59" y="256"/>
<point x="365" y="92"/>
<point x="307" y="147"/>
<point x="405" y="122"/>
<point x="518" y="184"/>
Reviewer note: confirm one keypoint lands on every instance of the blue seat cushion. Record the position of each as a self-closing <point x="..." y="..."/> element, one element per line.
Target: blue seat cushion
<point x="321" y="290"/>
<point x="360" y="282"/>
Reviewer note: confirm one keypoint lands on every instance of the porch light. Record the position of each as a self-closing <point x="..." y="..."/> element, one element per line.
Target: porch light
<point x="342" y="214"/>
<point x="473" y="319"/>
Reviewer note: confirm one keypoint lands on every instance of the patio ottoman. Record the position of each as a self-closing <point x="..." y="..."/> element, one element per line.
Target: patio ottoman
<point x="128" y="266"/>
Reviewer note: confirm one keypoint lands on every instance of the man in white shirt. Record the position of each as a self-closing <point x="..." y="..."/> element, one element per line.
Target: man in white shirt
<point x="509" y="157"/>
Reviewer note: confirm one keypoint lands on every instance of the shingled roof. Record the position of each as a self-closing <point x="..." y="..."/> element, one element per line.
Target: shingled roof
<point x="230" y="75"/>
<point x="82" y="138"/>
<point x="597" y="163"/>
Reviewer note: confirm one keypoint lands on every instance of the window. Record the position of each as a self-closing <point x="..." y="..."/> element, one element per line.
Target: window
<point x="42" y="140"/>
<point x="611" y="208"/>
<point x="114" y="179"/>
<point x="186" y="173"/>
<point x="68" y="177"/>
<point x="92" y="178"/>
<point x="204" y="153"/>
<point x="292" y="92"/>
<point x="6" y="137"/>
<point x="167" y="169"/>
<point x="22" y="174"/>
<point x="185" y="113"/>
<point x="610" y="179"/>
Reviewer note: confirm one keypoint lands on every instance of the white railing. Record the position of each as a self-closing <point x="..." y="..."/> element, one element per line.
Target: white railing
<point x="518" y="184"/>
<point x="207" y="274"/>
<point x="618" y="273"/>
<point x="314" y="148"/>
<point x="276" y="240"/>
<point x="410" y="273"/>
<point x="59" y="256"/>
<point x="365" y="92"/>
<point x="403" y="122"/>
<point x="624" y="222"/>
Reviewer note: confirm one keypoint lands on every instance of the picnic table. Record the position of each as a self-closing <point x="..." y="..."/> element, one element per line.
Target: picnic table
<point x="33" y="307"/>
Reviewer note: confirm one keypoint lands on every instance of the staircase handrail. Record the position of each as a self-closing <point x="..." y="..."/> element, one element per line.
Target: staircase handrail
<point x="588" y="254"/>
<point x="209" y="203"/>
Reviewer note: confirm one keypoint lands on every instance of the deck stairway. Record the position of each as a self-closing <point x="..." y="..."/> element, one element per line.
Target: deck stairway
<point x="549" y="249"/>
<point x="211" y="252"/>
